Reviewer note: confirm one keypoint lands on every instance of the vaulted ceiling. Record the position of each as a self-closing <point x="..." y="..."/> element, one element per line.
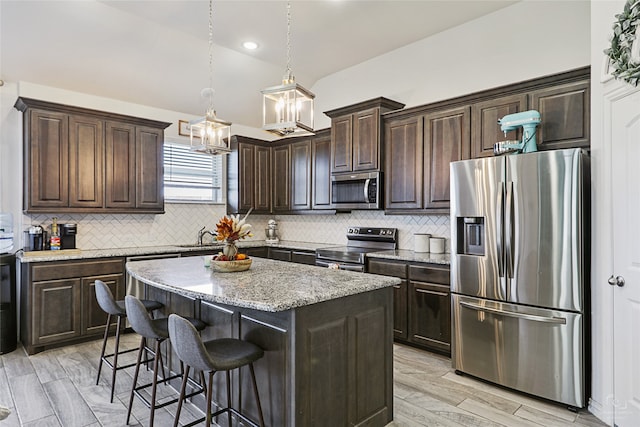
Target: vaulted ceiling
<point x="156" y="52"/>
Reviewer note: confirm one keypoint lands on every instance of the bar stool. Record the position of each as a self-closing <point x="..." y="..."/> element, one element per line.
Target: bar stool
<point x="157" y="330"/>
<point x="115" y="308"/>
<point x="222" y="354"/>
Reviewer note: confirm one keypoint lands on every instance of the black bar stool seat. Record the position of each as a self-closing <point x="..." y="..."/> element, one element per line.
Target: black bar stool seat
<point x="158" y="331"/>
<point x="109" y="305"/>
<point x="222" y="354"/>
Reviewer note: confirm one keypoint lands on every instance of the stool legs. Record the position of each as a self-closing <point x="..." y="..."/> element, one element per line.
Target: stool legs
<point x="255" y="391"/>
<point x="115" y="353"/>
<point x="143" y="343"/>
<point x="183" y="388"/>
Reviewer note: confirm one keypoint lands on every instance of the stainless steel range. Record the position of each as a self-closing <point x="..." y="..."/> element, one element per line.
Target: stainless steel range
<point x="361" y="240"/>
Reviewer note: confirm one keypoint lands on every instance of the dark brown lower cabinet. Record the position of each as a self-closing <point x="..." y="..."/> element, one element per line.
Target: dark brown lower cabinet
<point x="58" y="304"/>
<point x="421" y="303"/>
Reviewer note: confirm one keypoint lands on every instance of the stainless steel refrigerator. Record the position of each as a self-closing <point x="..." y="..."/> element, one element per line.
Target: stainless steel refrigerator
<point x="519" y="271"/>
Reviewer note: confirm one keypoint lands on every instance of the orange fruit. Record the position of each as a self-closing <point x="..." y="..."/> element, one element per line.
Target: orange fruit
<point x="240" y="257"/>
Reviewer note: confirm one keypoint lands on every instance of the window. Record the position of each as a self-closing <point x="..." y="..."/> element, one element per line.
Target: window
<point x="191" y="177"/>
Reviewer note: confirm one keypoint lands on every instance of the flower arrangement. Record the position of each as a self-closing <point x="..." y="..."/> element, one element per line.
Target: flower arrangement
<point x="230" y="229"/>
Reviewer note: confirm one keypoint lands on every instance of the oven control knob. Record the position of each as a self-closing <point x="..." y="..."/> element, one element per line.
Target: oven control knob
<point x="355" y="231"/>
<point x="350" y="231"/>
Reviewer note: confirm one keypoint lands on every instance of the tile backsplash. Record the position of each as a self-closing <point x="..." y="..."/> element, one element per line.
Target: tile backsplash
<point x="180" y="224"/>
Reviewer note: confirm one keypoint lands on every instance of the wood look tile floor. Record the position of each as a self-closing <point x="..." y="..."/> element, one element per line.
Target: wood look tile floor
<point x="57" y="388"/>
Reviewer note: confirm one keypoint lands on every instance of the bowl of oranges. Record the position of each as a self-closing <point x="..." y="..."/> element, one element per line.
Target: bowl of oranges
<point x="222" y="264"/>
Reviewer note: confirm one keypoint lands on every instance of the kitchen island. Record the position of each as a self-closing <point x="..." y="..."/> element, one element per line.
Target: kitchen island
<point x="327" y="335"/>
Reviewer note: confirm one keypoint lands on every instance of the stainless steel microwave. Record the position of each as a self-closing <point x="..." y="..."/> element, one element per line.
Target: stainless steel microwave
<point x="360" y="190"/>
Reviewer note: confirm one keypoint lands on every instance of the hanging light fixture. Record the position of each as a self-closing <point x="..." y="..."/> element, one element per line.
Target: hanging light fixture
<point x="287" y="109"/>
<point x="210" y="135"/>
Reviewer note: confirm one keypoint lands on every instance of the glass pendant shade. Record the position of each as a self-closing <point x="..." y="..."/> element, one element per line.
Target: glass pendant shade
<point x="210" y="135"/>
<point x="287" y="109"/>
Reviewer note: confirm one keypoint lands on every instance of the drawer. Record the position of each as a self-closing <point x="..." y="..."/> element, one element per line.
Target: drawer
<point x="429" y="274"/>
<point x="387" y="268"/>
<point x="69" y="269"/>
<point x="302" y="257"/>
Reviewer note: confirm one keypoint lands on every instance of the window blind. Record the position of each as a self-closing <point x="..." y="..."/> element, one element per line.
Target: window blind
<point x="190" y="176"/>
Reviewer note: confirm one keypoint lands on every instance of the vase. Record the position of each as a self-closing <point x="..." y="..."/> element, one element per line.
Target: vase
<point x="230" y="250"/>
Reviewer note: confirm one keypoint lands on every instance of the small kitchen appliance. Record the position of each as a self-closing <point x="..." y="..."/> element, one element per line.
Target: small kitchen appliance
<point x="6" y="233"/>
<point x="68" y="236"/>
<point x="360" y="241"/>
<point x="272" y="232"/>
<point x="527" y="120"/>
<point x="35" y="238"/>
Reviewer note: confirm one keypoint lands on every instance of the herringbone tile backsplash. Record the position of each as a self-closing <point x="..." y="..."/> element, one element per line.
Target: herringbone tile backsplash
<point x="181" y="222"/>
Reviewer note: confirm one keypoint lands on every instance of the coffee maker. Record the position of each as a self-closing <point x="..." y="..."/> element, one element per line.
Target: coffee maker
<point x="35" y="238"/>
<point x="68" y="236"/>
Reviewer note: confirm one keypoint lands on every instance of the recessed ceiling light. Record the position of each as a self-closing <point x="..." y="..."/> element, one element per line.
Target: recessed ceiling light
<point x="250" y="45"/>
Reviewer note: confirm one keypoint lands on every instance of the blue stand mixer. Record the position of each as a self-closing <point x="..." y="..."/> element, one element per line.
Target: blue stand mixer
<point x="528" y="120"/>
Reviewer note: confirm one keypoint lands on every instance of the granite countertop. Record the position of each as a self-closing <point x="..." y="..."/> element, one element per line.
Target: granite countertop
<point x="64" y="255"/>
<point x="411" y="256"/>
<point x="267" y="286"/>
<point x="72" y="254"/>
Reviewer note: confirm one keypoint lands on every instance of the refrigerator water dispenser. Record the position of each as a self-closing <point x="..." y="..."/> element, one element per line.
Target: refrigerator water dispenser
<point x="470" y="235"/>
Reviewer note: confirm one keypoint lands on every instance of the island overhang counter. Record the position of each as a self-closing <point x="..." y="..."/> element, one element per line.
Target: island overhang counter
<point x="327" y="335"/>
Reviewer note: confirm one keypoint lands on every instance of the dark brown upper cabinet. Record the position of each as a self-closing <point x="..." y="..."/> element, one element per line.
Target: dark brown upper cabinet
<point x="446" y="139"/>
<point x="485" y="130"/>
<point x="404" y="163"/>
<point x="565" y="115"/>
<point x="281" y="194"/>
<point x="321" y="170"/>
<point x="249" y="176"/>
<point x="421" y="142"/>
<point x="78" y="160"/>
<point x="356" y="143"/>
<point x="418" y="152"/>
<point x="301" y="165"/>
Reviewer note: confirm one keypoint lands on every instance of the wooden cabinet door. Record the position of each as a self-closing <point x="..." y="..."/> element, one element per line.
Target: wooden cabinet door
<point x="366" y="140"/>
<point x="149" y="168"/>
<point x="400" y="309"/>
<point x="341" y="143"/>
<point x="86" y="160"/>
<point x="321" y="173"/>
<point x="565" y="116"/>
<point x="93" y="317"/>
<point x="430" y="315"/>
<point x="48" y="154"/>
<point x="447" y="139"/>
<point x="485" y="130"/>
<point x="120" y="165"/>
<point x="281" y="178"/>
<point x="246" y="176"/>
<point x="56" y="310"/>
<point x="301" y="175"/>
<point x="262" y="183"/>
<point x="404" y="163"/>
<point x="280" y="254"/>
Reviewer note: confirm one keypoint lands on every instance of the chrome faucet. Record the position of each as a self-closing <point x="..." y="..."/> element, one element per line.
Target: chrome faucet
<point x="201" y="234"/>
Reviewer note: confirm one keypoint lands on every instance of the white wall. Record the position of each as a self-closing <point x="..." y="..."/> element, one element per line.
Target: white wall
<point x="527" y="40"/>
<point x="602" y="18"/>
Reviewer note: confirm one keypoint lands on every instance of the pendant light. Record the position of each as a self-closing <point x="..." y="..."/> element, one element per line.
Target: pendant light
<point x="210" y="135"/>
<point x="287" y="109"/>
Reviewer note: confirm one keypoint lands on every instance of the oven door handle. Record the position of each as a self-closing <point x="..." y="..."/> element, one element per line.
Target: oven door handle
<point x="348" y="267"/>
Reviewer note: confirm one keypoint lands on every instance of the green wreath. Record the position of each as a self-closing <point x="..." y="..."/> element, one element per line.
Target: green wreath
<point x="624" y="53"/>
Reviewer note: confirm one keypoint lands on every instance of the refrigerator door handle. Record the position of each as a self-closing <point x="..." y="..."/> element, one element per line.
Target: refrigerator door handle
<point x="509" y="230"/>
<point x="533" y="317"/>
<point x="500" y="230"/>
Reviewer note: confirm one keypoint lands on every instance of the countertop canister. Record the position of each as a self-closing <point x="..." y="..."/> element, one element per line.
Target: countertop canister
<point x="421" y="242"/>
<point x="436" y="245"/>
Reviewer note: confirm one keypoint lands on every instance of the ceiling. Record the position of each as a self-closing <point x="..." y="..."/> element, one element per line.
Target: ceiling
<point x="156" y="52"/>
